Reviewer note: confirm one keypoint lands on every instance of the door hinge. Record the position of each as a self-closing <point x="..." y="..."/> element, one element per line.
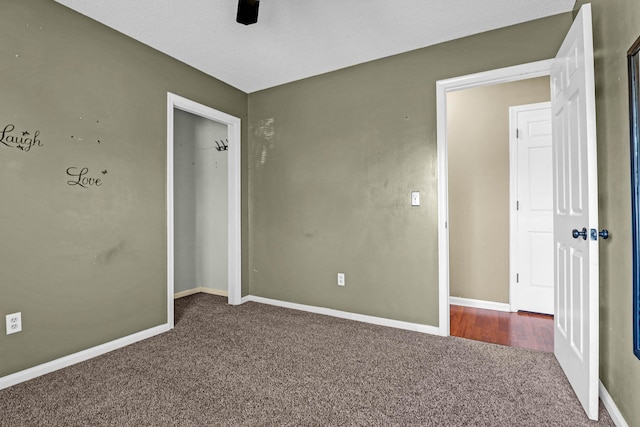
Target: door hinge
<point x="517" y="133"/>
<point x="517" y="205"/>
<point x="517" y="277"/>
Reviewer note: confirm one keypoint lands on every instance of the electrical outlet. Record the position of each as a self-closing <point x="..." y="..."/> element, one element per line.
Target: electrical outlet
<point x="341" y="281"/>
<point x="14" y="323"/>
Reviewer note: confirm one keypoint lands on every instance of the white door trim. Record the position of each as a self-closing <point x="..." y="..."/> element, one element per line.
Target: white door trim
<point x="233" y="183"/>
<point x="502" y="75"/>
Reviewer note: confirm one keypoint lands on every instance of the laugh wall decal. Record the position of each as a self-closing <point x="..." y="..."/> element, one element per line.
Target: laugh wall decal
<point x="24" y="142"/>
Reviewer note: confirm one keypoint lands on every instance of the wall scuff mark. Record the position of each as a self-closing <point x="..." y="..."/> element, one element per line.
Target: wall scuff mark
<point x="265" y="131"/>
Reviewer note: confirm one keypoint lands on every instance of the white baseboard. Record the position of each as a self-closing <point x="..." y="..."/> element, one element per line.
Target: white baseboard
<point x="611" y="406"/>
<point x="200" y="290"/>
<point x="476" y="303"/>
<point x="81" y="356"/>
<point x="433" y="330"/>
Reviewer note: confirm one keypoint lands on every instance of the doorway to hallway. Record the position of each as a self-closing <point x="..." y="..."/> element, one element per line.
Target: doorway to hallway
<point x="521" y="329"/>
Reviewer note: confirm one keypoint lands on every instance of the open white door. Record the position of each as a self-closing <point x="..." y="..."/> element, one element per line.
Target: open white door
<point x="575" y="204"/>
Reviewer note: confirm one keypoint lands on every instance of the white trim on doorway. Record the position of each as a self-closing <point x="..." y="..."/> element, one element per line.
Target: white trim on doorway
<point x="234" y="226"/>
<point x="502" y="75"/>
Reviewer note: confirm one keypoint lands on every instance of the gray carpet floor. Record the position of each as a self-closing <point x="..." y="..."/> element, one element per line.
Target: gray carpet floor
<point x="257" y="365"/>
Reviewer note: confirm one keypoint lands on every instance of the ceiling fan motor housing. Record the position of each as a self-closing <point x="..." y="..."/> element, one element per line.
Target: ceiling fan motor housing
<point x="247" y="11"/>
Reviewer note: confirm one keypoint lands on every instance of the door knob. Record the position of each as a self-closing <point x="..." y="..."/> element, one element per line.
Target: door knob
<point x="575" y="233"/>
<point x="604" y="234"/>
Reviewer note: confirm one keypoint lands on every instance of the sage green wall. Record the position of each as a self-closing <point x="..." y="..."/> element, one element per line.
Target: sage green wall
<point x="616" y="25"/>
<point x="85" y="265"/>
<point x="478" y="143"/>
<point x="334" y="159"/>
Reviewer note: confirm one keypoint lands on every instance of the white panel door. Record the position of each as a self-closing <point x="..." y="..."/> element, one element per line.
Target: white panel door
<point x="534" y="208"/>
<point x="576" y="208"/>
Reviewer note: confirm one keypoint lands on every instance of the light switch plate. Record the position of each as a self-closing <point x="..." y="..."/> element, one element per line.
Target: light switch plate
<point x="415" y="198"/>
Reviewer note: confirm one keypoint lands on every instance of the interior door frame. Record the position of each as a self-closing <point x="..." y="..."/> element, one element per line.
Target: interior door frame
<point x="233" y="190"/>
<point x="443" y="87"/>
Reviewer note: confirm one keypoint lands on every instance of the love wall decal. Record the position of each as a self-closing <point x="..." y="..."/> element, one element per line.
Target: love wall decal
<point x="80" y="177"/>
<point x="24" y="142"/>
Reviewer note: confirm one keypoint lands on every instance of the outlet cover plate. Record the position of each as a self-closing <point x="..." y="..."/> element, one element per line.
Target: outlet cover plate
<point x="14" y="323"/>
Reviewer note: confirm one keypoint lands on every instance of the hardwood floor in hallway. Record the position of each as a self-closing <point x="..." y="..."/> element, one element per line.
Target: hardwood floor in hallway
<point x="522" y="329"/>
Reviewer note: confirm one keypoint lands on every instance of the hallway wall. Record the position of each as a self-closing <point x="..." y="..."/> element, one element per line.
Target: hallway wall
<point x="478" y="141"/>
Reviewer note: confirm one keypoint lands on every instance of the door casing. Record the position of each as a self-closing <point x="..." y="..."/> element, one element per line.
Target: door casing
<point x="502" y="75"/>
<point x="234" y="196"/>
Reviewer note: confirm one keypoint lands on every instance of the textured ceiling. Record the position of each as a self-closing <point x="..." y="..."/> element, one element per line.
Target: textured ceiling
<point x="294" y="39"/>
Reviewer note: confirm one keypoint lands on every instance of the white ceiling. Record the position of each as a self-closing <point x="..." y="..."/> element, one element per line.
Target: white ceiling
<point x="294" y="39"/>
